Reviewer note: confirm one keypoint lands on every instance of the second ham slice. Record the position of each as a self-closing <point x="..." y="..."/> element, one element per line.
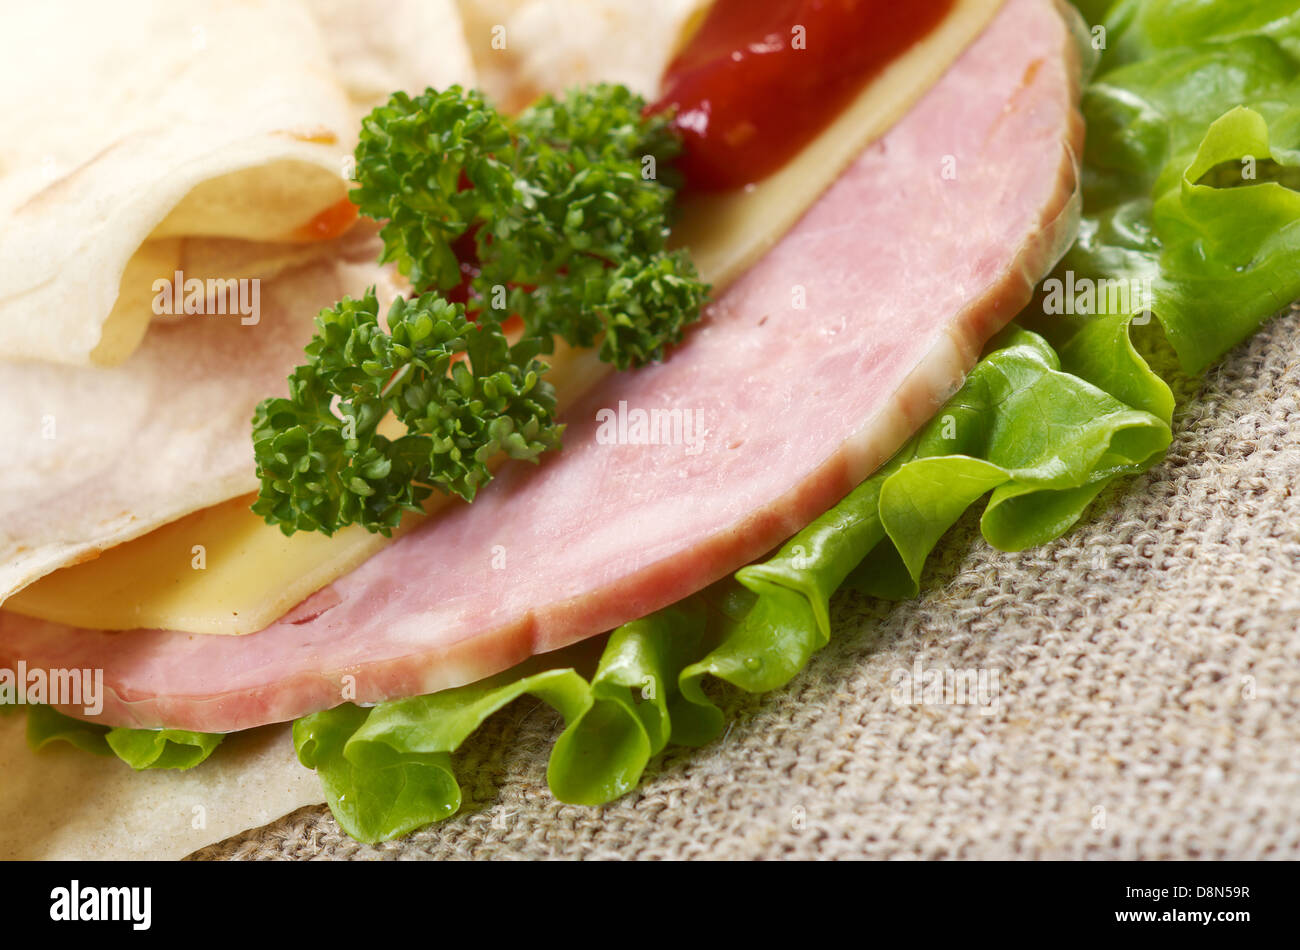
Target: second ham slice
<point x="805" y="376"/>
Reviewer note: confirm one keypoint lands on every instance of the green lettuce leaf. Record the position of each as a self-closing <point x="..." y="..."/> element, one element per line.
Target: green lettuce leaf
<point x="139" y="748"/>
<point x="1192" y="164"/>
<point x="162" y="748"/>
<point x="635" y="696"/>
<point x="386" y="770"/>
<point x="45" y="724"/>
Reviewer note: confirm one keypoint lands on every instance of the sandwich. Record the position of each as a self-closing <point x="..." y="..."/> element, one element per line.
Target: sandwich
<point x="591" y="381"/>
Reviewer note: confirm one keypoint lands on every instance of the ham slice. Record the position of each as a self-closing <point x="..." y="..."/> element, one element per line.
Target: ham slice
<point x="807" y="374"/>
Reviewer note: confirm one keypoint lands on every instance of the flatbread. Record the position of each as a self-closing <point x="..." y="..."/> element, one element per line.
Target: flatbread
<point x="61" y="803"/>
<point x="377" y="49"/>
<point x="97" y="456"/>
<point x="154" y="119"/>
<point x="522" y="48"/>
<point x="159" y="121"/>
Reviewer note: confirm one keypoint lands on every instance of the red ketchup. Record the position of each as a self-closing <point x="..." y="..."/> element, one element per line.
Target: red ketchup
<point x="761" y="78"/>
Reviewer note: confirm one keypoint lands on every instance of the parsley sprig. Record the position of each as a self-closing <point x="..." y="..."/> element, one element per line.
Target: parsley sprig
<point x="566" y="208"/>
<point x="322" y="461"/>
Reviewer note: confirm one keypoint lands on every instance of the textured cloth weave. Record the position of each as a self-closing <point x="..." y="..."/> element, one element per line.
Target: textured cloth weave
<point x="1147" y="700"/>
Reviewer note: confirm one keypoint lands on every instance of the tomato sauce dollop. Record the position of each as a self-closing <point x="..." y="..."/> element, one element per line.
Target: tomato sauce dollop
<point x="761" y="78"/>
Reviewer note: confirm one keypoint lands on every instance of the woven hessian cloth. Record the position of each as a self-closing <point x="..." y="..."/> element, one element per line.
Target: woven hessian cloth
<point x="1147" y="703"/>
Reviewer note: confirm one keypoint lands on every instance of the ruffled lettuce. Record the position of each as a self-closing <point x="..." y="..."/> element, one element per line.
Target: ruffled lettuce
<point x="387" y="769"/>
<point x="138" y="748"/>
<point x="1192" y="164"/>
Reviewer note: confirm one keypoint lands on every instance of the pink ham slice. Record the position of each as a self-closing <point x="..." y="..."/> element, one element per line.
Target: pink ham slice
<point x="922" y="250"/>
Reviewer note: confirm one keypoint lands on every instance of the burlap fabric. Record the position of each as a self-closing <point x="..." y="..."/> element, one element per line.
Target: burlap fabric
<point x="1147" y="693"/>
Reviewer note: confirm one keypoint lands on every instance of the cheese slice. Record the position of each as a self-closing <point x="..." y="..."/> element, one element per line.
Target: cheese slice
<point x="222" y="570"/>
<point x="214" y="571"/>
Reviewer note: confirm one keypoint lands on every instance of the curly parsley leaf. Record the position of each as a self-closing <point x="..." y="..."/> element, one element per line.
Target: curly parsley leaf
<point x="462" y="391"/>
<point x="413" y="155"/>
<point x="565" y="205"/>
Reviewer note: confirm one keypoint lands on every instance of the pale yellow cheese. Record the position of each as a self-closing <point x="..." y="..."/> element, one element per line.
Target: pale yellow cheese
<point x="214" y="571"/>
<point x="251" y="574"/>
